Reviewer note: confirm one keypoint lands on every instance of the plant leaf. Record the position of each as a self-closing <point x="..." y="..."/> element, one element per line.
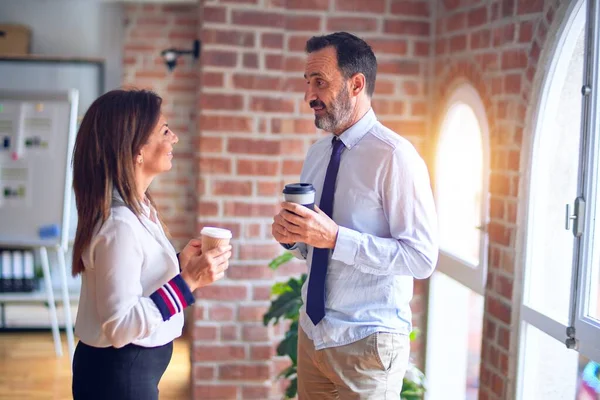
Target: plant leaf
<point x="282" y="259"/>
<point x="292" y="389"/>
<point x="286" y="305"/>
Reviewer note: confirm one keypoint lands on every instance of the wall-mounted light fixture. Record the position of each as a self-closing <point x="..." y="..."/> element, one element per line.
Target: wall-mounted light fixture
<point x="170" y="55"/>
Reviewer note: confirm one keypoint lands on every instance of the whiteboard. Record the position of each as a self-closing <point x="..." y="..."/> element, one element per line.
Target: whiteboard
<point x="37" y="133"/>
<point x="87" y="76"/>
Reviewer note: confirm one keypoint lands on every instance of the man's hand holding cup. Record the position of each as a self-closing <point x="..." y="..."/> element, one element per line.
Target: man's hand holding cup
<point x="297" y="222"/>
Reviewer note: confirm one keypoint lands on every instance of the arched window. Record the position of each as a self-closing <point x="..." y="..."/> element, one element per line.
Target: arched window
<point x="456" y="291"/>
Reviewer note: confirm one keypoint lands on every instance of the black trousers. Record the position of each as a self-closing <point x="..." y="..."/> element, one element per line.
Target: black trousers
<point x="129" y="373"/>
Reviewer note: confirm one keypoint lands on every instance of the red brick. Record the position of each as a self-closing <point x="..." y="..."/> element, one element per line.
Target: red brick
<point x="387" y="107"/>
<point x="222" y="292"/>
<point x="183" y="35"/>
<point x="257" y="18"/>
<point x="456" y="22"/>
<point x="199" y="313"/>
<point x="512" y="84"/>
<point x="418" y="109"/>
<point x="273" y="61"/>
<point x="250" y="60"/>
<point x="498" y="309"/>
<point x="228" y="37"/>
<point x="268" y="188"/>
<point x="249" y="146"/>
<point x="293" y="64"/>
<point x="312" y="5"/>
<point x="503" y="35"/>
<point x="249" y="273"/>
<point x="186" y="20"/>
<point x="211" y="144"/>
<point x="219" y="58"/>
<point x="496" y="208"/>
<point x="298" y="43"/>
<point x="215" y="165"/>
<point x="240" y="1"/>
<point x="232" y="188"/>
<point x="257" y="168"/>
<point x="503" y="338"/>
<point x="477" y="17"/>
<point x="406" y="27"/>
<point x="150" y="74"/>
<point x="530" y="6"/>
<point x="421" y="49"/>
<point x="526" y="32"/>
<point x="389" y="46"/>
<point x="229" y="333"/>
<point x="251" y="313"/>
<point x="256" y="392"/>
<point x="292" y="147"/>
<point x="255" y="372"/>
<point x="229" y="123"/>
<point x="215" y="352"/>
<point x="205" y="333"/>
<point x="208" y="208"/>
<point x="458" y="43"/>
<point x="239" y="209"/>
<point x="302" y="23"/>
<point x="383" y="86"/>
<point x="406" y="128"/>
<point x="410" y="7"/>
<point x="514" y="59"/>
<point x="499" y="234"/>
<point x="504" y="287"/>
<point x="356" y="24"/>
<point x="292" y="167"/>
<point x="272" y="40"/>
<point x="215" y="392"/>
<point x="261" y="293"/>
<point x="202" y="373"/>
<point x="220" y="313"/>
<point x="271" y="104"/>
<point x="481" y="39"/>
<point x="411" y="88"/>
<point x="160" y="21"/>
<point x="218" y="101"/>
<point x="253" y="231"/>
<point x="256" y="82"/>
<point x="253" y="251"/>
<point x="255" y="333"/>
<point x="294" y="85"/>
<point x="400" y="67"/>
<point x="372" y="6"/>
<point x="297" y="126"/>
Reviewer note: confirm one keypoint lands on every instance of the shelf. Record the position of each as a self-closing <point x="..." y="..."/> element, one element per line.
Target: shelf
<point x="36" y="296"/>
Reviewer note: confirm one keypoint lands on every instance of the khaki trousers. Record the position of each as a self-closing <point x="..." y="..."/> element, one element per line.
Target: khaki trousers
<point x="371" y="368"/>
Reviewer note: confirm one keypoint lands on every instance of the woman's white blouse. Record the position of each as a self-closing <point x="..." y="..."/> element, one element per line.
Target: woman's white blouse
<point x="131" y="290"/>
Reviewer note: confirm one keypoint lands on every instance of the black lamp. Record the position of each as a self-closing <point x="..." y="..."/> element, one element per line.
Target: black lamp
<point x="170" y="55"/>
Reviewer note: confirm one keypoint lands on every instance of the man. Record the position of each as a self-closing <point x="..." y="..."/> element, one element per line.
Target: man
<point x="377" y="233"/>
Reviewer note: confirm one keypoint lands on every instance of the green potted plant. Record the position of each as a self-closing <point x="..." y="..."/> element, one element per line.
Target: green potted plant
<point x="285" y="306"/>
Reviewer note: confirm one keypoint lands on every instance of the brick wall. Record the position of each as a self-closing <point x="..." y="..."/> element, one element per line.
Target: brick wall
<point x="244" y="130"/>
<point x="254" y="131"/>
<point x="149" y="29"/>
<point x="496" y="46"/>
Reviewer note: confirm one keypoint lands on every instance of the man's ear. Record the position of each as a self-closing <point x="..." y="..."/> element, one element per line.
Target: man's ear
<point x="357" y="84"/>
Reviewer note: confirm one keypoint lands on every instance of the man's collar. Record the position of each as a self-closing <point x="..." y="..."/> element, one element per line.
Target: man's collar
<point x="351" y="136"/>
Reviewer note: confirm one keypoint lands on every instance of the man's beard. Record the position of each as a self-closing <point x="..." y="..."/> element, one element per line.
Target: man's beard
<point x="337" y="114"/>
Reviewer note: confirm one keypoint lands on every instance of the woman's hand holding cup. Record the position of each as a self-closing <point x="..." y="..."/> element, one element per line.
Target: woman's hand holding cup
<point x="210" y="265"/>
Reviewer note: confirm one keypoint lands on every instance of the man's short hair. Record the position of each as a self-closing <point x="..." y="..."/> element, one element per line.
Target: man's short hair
<point x="354" y="55"/>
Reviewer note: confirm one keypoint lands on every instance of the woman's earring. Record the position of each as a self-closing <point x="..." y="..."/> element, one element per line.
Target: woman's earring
<point x="140" y="160"/>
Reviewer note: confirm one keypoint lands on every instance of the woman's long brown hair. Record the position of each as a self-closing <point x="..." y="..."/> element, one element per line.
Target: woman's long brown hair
<point x="112" y="132"/>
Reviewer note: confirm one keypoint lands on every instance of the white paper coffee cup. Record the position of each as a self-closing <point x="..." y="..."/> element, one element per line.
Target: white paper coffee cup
<point x="214" y="237"/>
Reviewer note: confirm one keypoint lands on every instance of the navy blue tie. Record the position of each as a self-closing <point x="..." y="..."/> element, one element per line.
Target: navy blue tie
<point x="315" y="302"/>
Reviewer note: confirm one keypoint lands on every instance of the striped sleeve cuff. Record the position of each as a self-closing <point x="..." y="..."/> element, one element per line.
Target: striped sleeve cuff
<point x="172" y="297"/>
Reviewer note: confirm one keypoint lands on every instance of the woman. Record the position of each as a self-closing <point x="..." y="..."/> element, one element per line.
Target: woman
<point x="132" y="293"/>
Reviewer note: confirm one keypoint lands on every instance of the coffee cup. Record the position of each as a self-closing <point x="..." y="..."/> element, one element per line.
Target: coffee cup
<point x="214" y="237"/>
<point x="300" y="193"/>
